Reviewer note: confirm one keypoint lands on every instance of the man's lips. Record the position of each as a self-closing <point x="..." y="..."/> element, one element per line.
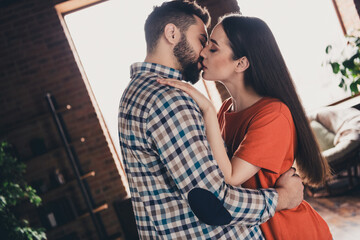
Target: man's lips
<point x="201" y="66"/>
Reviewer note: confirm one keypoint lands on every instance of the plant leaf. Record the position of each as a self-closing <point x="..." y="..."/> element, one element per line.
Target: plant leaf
<point x="342" y="82"/>
<point x="349" y="63"/>
<point x="335" y="67"/>
<point x="344" y="73"/>
<point x="328" y="49"/>
<point x="354" y="88"/>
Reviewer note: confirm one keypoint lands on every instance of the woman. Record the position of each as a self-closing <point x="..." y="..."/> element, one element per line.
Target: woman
<point x="263" y="124"/>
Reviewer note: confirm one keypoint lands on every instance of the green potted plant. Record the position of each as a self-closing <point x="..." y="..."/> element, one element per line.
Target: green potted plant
<point x="346" y="64"/>
<point x="13" y="190"/>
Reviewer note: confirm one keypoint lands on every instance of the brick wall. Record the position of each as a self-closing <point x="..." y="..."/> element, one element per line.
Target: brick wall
<point x="35" y="58"/>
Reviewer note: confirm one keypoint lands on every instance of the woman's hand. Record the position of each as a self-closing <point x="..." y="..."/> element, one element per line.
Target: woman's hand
<point x="204" y="103"/>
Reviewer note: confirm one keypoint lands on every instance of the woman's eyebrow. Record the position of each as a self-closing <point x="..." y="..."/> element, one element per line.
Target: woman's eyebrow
<point x="214" y="41"/>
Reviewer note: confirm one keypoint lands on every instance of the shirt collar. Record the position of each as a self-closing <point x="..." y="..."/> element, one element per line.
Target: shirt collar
<point x="166" y="72"/>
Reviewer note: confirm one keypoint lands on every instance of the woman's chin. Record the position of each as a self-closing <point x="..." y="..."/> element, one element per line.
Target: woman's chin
<point x="206" y="77"/>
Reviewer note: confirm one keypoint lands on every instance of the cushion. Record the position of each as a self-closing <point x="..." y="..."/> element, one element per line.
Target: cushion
<point x="324" y="137"/>
<point x="344" y="123"/>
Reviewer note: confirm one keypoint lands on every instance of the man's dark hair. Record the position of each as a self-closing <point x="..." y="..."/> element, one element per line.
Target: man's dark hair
<point x="180" y="13"/>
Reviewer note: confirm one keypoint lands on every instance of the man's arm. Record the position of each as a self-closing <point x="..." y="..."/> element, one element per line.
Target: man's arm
<point x="175" y="125"/>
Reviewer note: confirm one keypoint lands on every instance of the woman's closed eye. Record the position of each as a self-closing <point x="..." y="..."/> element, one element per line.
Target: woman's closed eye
<point x="212" y="47"/>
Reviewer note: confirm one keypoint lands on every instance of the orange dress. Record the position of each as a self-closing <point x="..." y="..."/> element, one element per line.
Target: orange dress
<point x="264" y="135"/>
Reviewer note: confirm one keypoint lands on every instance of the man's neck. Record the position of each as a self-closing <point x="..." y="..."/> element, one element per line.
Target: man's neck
<point x="163" y="59"/>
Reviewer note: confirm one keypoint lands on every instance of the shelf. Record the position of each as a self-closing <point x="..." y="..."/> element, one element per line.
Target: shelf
<point x="83" y="140"/>
<point x="16" y="125"/>
<point x="81" y="216"/>
<point x="72" y="156"/>
<point x="48" y="152"/>
<point x="47" y="194"/>
<point x="87" y="175"/>
<point x="95" y="210"/>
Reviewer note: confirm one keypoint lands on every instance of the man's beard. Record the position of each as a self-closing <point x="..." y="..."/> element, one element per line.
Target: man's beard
<point x="187" y="59"/>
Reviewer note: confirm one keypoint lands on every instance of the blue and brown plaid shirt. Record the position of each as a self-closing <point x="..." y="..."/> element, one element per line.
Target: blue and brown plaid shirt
<point x="177" y="189"/>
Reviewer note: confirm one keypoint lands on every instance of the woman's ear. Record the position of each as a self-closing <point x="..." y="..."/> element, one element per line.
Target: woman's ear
<point x="242" y="64"/>
<point x="171" y="33"/>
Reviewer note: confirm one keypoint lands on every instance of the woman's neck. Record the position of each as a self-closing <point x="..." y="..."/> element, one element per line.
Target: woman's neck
<point x="242" y="97"/>
<point x="242" y="102"/>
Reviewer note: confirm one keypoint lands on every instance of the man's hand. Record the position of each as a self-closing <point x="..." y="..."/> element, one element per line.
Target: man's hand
<point x="290" y="189"/>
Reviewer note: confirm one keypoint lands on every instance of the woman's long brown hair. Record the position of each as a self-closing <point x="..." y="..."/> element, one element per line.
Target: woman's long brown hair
<point x="268" y="75"/>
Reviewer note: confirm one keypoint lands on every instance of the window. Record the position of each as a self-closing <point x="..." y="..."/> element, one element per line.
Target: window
<point x="109" y="37"/>
<point x="303" y="29"/>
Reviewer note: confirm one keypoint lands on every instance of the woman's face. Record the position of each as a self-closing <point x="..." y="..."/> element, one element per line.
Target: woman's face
<point x="218" y="64"/>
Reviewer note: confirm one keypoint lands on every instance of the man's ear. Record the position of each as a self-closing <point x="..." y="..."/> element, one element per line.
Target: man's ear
<point x="171" y="33"/>
<point x="242" y="64"/>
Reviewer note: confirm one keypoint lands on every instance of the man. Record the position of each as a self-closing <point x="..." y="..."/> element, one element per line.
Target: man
<point x="177" y="190"/>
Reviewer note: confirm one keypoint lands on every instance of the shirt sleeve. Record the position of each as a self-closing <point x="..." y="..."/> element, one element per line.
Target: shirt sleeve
<point x="267" y="141"/>
<point x="175" y="126"/>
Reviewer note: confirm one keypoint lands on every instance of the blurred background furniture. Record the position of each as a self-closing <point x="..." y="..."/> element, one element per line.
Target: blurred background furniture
<point x="337" y="131"/>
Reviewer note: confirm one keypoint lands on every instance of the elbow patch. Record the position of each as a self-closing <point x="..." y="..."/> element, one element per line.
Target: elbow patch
<point x="208" y="208"/>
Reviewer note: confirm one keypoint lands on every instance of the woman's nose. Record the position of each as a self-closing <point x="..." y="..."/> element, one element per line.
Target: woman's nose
<point x="202" y="53"/>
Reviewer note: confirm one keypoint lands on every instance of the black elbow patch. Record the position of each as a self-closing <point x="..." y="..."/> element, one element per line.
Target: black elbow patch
<point x="208" y="208"/>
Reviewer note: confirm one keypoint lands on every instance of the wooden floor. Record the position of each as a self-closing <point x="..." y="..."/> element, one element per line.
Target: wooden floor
<point x="341" y="212"/>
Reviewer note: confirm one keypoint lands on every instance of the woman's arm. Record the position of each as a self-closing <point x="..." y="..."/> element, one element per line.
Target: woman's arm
<point x="236" y="171"/>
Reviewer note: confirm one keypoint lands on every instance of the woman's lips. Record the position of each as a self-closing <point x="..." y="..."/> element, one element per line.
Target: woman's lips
<point x="201" y="67"/>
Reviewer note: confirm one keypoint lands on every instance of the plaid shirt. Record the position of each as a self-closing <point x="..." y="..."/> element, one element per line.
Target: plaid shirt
<point x="177" y="189"/>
